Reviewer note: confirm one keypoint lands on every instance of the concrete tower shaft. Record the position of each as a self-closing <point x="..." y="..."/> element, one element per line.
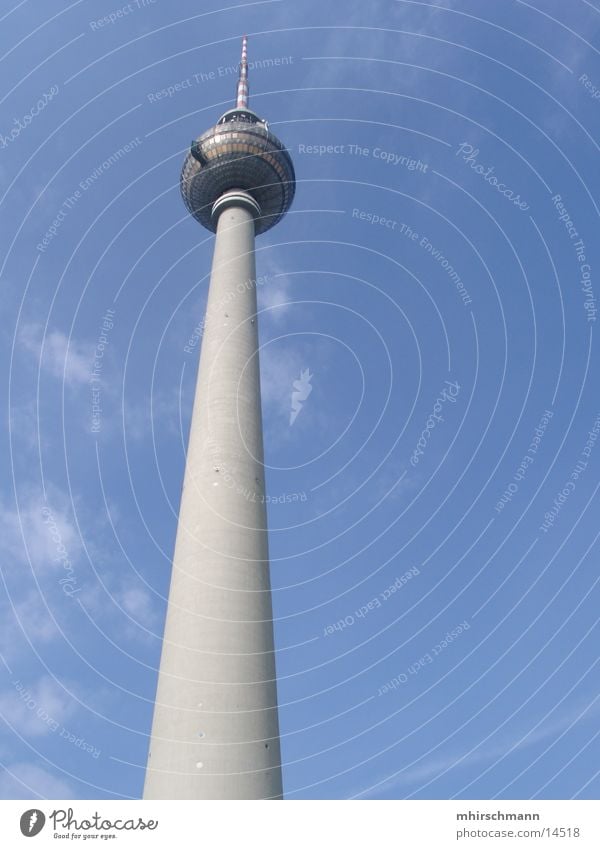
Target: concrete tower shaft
<point x="215" y="732"/>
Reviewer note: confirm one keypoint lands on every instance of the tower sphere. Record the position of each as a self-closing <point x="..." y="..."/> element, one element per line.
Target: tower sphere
<point x="239" y="152"/>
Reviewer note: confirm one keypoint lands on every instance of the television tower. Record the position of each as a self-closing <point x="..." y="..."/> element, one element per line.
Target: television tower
<point x="215" y="731"/>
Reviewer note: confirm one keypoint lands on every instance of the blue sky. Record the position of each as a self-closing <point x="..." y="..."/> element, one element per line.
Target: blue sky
<point x="435" y="565"/>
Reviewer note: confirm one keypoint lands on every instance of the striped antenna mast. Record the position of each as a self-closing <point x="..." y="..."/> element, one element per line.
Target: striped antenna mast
<point x="242" y="86"/>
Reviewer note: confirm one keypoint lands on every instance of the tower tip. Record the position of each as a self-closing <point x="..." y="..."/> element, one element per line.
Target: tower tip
<point x="242" y="86"/>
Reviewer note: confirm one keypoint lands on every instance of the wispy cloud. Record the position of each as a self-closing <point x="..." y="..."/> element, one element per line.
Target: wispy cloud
<point x="166" y="411"/>
<point x="275" y="300"/>
<point x="45" y="525"/>
<point x="124" y="607"/>
<point x="279" y="367"/>
<point x="433" y="768"/>
<point x="31" y="614"/>
<point x="57" y="355"/>
<point x="275" y="297"/>
<point x="32" y="708"/>
<point x="137" y="601"/>
<point x="23" y="780"/>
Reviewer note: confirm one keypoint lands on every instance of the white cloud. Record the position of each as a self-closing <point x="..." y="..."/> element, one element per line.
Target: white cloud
<point x="25" y="780"/>
<point x="275" y="299"/>
<point x="34" y="709"/>
<point x="138" y="603"/>
<point x="279" y="368"/>
<point x="274" y="295"/>
<point x="34" y="545"/>
<point x="30" y="614"/>
<point x="61" y="357"/>
<point x="390" y="483"/>
<point x="39" y="532"/>
<point x="124" y="608"/>
<point x="25" y="433"/>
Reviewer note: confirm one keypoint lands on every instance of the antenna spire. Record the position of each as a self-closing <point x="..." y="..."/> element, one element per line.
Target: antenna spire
<point x="242" y="86"/>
